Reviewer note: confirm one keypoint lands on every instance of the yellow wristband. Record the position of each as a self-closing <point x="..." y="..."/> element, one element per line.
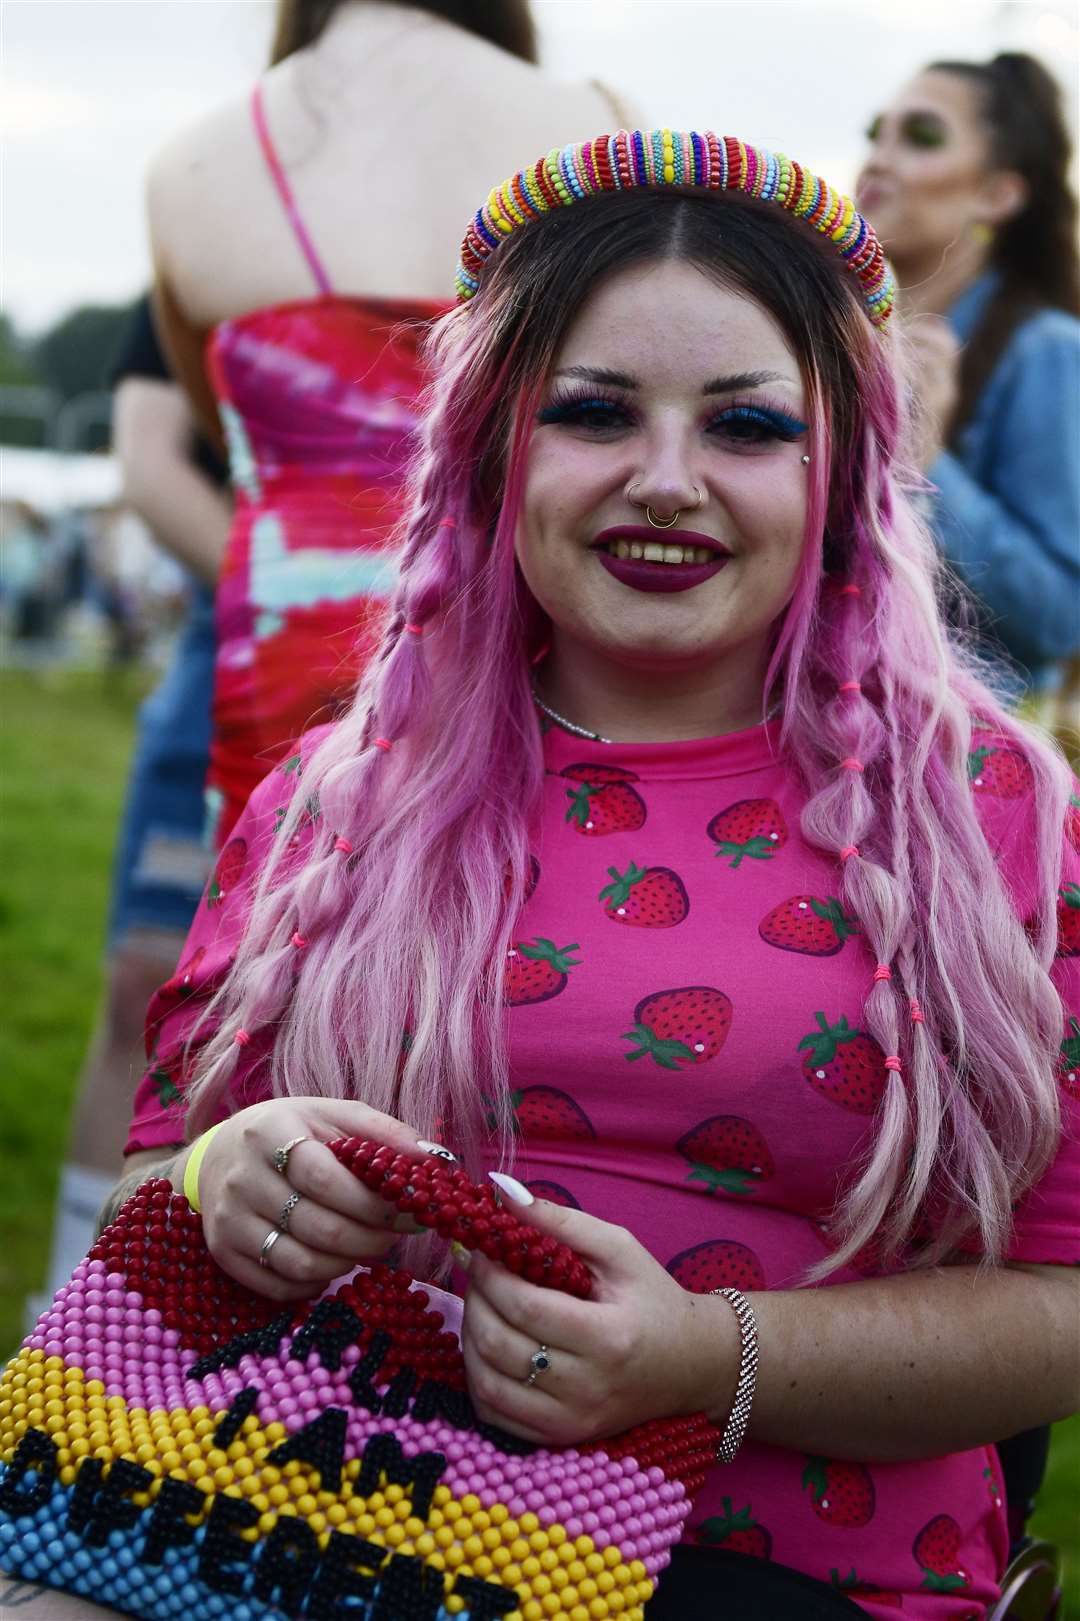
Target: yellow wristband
<point x="191" y="1169"/>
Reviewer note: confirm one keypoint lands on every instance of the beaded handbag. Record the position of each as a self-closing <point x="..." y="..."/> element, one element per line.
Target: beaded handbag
<point x="174" y="1445"/>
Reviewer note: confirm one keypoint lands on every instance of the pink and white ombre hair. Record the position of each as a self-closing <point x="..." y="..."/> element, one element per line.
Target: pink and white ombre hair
<point x="411" y="933"/>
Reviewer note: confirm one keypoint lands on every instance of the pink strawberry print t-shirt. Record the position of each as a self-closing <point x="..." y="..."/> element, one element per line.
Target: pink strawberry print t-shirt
<point x="684" y="995"/>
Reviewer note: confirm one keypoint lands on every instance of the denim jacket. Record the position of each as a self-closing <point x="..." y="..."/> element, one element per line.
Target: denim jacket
<point x="1007" y="505"/>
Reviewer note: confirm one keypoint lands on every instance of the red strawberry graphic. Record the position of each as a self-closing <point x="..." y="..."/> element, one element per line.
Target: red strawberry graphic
<point x="554" y="1193"/>
<point x="750" y="827"/>
<point x="1000" y="770"/>
<point x="844" y="1065"/>
<point x="680" y="1027"/>
<point x="1068" y="1063"/>
<point x="727" y="1153"/>
<point x="181" y="982"/>
<point x="231" y="863"/>
<point x="544" y="1111"/>
<point x="645" y="897"/>
<point x="719" y="1263"/>
<point x="536" y="970"/>
<point x="604" y="803"/>
<point x="1068" y="920"/>
<point x="807" y="924"/>
<point x="937" y="1550"/>
<point x="841" y="1493"/>
<point x="856" y="1588"/>
<point x="736" y="1532"/>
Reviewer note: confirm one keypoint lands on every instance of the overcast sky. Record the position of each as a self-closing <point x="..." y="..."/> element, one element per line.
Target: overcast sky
<point x="91" y="87"/>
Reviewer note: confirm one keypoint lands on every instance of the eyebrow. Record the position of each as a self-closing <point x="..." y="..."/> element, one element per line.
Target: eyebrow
<point x="605" y="378"/>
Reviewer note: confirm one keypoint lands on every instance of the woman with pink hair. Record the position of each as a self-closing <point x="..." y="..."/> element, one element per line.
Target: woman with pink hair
<point x="674" y="854"/>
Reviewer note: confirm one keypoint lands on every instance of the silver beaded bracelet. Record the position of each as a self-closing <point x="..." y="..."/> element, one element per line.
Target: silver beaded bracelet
<point x="739" y="1417"/>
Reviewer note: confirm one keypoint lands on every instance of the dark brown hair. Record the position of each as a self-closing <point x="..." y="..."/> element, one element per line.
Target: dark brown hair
<point x="1035" y="252"/>
<point x="506" y="23"/>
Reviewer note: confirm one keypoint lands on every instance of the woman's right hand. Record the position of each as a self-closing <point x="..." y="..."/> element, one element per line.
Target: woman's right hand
<point x="335" y="1226"/>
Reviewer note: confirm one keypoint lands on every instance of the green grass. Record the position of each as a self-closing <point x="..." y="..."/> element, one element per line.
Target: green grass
<point x="64" y="746"/>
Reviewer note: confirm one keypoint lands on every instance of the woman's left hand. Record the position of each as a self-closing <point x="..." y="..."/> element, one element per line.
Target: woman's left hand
<point x="640" y="1347"/>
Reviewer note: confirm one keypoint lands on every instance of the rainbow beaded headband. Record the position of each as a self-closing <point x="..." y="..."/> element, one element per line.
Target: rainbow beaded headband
<point x="664" y="157"/>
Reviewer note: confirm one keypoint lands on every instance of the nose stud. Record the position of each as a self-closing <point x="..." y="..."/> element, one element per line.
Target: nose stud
<point x="662" y="523"/>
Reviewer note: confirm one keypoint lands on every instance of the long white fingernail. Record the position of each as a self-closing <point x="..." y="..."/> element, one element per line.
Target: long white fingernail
<point x="511" y="1187"/>
<point x="437" y="1148"/>
<point x="461" y="1255"/>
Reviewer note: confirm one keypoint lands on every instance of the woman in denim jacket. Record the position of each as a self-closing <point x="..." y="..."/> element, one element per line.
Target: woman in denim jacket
<point x="966" y="182"/>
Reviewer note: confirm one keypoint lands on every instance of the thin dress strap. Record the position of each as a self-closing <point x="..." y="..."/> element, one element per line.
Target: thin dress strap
<point x="277" y="174"/>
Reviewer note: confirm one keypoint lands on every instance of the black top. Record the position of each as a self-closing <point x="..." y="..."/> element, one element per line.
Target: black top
<point x="139" y="355"/>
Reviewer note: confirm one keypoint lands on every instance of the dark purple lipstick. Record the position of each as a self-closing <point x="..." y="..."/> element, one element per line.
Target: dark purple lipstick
<point x="641" y="575"/>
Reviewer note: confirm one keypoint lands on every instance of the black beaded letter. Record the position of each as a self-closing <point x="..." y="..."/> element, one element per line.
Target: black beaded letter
<point x="221" y="1548"/>
<point x="100" y="1505"/>
<point x="419" y="1474"/>
<point x="168" y="1528"/>
<point x="485" y="1600"/>
<point x="348" y="1571"/>
<point x="35" y="1454"/>
<point x="331" y="1326"/>
<point x="363" y="1391"/>
<point x="288" y="1562"/>
<point x="257" y="1342"/>
<point x="409" y="1591"/>
<point x="321" y="1444"/>
<point x="241" y="1407"/>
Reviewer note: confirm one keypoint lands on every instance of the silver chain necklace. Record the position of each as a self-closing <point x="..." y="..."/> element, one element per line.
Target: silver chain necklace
<point x="594" y="737"/>
<point x="568" y="725"/>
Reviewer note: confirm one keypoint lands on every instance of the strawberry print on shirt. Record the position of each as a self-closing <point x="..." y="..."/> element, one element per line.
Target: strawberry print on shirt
<point x="706" y="1084"/>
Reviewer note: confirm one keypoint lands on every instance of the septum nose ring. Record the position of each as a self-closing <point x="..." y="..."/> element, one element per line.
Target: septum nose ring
<point x="654" y="520"/>
<point x="662" y="523"/>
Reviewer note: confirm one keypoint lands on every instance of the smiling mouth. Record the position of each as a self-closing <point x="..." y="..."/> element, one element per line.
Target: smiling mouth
<point x="655" y="551"/>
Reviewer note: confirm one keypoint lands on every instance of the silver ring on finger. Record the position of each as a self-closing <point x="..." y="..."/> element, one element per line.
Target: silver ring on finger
<point x="541" y="1362"/>
<point x="279" y="1159"/>
<point x="267" y="1245"/>
<point x="286" y="1211"/>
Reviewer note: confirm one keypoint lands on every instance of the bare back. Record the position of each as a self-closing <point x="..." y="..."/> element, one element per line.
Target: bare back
<point x="391" y="130"/>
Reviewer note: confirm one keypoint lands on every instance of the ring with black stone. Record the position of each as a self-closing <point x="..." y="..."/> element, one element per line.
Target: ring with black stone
<point x="541" y="1362"/>
<point x="286" y="1211"/>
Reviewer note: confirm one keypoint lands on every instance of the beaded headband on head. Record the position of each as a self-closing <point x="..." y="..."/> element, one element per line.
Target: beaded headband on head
<point x="664" y="157"/>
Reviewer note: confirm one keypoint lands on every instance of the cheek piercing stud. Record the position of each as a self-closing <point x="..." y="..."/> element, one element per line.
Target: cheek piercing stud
<point x="806" y="461"/>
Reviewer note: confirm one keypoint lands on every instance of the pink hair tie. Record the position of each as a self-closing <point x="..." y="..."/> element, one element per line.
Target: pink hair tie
<point x="241" y="1038"/>
<point x="851" y="590"/>
<point x="447" y="523"/>
<point x="414" y="630"/>
<point x="383" y="743"/>
<point x="882" y="971"/>
<point x="851" y="686"/>
<point x="916" y="1012"/>
<point x="849" y="850"/>
<point x="894" y="1064"/>
<point x="298" y="941"/>
<point x="344" y="846"/>
<point x="851" y="764"/>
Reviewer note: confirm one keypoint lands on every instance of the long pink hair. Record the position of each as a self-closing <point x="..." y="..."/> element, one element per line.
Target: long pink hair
<point x="398" y="997"/>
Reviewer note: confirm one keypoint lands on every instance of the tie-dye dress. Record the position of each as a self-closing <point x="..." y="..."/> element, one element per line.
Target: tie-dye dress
<point x="317" y="403"/>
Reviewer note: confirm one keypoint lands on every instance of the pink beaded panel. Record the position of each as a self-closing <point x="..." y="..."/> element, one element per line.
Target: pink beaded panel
<point x="174" y="1445"/>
